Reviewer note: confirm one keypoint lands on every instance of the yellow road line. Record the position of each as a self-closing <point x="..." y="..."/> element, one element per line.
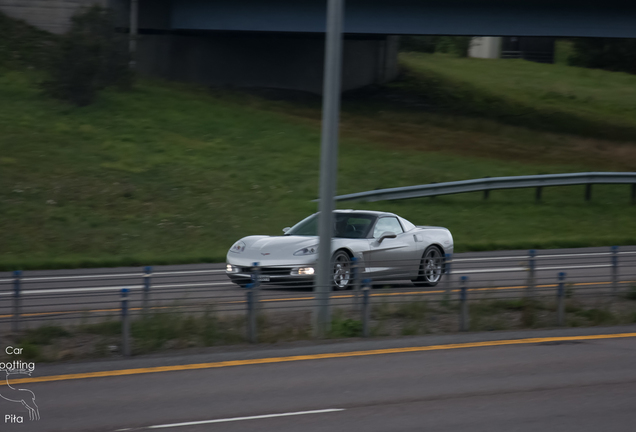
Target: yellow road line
<point x="343" y="296"/>
<point x="270" y="360"/>
<point x="34" y="314"/>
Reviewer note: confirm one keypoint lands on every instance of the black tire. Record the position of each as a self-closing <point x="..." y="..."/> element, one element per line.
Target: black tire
<point x="431" y="268"/>
<point x="341" y="262"/>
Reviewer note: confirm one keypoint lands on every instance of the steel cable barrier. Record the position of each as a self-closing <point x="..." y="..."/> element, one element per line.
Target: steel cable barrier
<point x="467" y="292"/>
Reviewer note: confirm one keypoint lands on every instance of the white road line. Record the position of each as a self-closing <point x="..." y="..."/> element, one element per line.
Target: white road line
<point x="107" y="276"/>
<point x="195" y="423"/>
<point x="159" y="286"/>
<point x="99" y="276"/>
<point x="454" y="260"/>
<point x="110" y="288"/>
<point x="155" y="287"/>
<point x="515" y="269"/>
<point x="574" y="267"/>
<point x="510" y="269"/>
<point x="169" y="273"/>
<point x="538" y="256"/>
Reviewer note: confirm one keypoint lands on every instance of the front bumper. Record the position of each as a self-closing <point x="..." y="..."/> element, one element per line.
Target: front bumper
<point x="272" y="275"/>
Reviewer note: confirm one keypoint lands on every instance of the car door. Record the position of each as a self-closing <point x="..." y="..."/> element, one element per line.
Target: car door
<point x="390" y="257"/>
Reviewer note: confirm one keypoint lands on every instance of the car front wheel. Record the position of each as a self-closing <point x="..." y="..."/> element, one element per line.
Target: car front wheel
<point x="341" y="270"/>
<point x="431" y="268"/>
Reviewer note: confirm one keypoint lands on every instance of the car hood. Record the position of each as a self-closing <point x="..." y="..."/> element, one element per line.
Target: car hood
<point x="274" y="251"/>
<point x="280" y="245"/>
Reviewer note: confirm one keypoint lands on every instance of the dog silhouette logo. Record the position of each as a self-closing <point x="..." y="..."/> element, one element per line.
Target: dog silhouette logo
<point x="20" y="395"/>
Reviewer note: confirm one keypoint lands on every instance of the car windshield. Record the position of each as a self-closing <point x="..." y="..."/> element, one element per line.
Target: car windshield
<point x="346" y="225"/>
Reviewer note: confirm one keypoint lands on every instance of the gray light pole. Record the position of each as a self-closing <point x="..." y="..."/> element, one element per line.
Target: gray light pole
<point x="328" y="162"/>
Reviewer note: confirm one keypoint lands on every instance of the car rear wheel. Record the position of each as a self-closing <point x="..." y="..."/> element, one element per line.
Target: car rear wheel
<point x="341" y="270"/>
<point x="431" y="268"/>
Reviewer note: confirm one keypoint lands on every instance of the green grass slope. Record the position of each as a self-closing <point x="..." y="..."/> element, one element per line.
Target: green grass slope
<point x="556" y="97"/>
<point x="172" y="173"/>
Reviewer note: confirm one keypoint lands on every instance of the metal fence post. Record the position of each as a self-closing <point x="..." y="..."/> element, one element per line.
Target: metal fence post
<point x="464" y="317"/>
<point x="147" y="275"/>
<point x="17" y="282"/>
<point x="125" y="323"/>
<point x="448" y="267"/>
<point x="366" y="307"/>
<point x="531" y="268"/>
<point x="614" y="271"/>
<point x="588" y="191"/>
<point x="355" y="275"/>
<point x="251" y="315"/>
<point x="252" y="302"/>
<point x="561" y="300"/>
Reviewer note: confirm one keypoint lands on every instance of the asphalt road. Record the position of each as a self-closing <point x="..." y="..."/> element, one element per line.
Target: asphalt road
<point x="553" y="385"/>
<point x="95" y="293"/>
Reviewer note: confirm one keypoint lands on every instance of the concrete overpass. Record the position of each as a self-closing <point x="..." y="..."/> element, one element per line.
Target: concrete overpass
<point x="279" y="43"/>
<point x="592" y="18"/>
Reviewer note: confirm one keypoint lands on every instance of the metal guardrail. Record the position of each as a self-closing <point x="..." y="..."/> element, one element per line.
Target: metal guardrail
<point x="473" y="286"/>
<point x="492" y="183"/>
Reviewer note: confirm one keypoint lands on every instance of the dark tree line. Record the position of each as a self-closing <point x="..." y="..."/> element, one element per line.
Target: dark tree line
<point x="23" y="46"/>
<point x="457" y="45"/>
<point x="599" y="53"/>
<point x="90" y="57"/>
<point x="604" y="53"/>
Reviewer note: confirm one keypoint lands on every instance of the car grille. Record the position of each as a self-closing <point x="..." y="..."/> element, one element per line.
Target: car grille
<point x="276" y="271"/>
<point x="270" y="271"/>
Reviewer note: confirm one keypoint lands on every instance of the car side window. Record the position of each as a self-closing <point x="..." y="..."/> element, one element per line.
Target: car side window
<point x="408" y="226"/>
<point x="387" y="224"/>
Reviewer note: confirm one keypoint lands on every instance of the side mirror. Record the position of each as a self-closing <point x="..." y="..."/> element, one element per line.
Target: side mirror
<point x="386" y="235"/>
<point x="286" y="229"/>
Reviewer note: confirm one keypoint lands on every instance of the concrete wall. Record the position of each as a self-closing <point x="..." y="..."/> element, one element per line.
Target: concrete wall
<point x="246" y="59"/>
<point x="485" y="47"/>
<point x="50" y="15"/>
<point x="293" y="61"/>
<point x="154" y="14"/>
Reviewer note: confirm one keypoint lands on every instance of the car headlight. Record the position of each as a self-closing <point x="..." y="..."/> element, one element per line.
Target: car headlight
<point x="238" y="247"/>
<point x="311" y="250"/>
<point x="303" y="271"/>
<point x="231" y="268"/>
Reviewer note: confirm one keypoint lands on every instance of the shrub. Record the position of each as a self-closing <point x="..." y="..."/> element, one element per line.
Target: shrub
<point x="604" y="53"/>
<point x="22" y="45"/>
<point x="89" y="58"/>
<point x="106" y="328"/>
<point x="425" y="44"/>
<point x="43" y="335"/>
<point x="456" y="45"/>
<point x="597" y="316"/>
<point x="341" y="327"/>
<point x="31" y="352"/>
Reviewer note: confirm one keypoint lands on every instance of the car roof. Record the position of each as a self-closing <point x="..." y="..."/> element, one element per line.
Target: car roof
<point x="371" y="212"/>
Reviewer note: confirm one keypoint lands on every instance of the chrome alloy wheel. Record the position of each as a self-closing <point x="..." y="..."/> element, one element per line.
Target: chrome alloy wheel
<point x="433" y="266"/>
<point x="341" y="270"/>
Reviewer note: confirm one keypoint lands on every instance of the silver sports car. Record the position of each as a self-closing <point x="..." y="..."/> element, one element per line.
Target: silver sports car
<point x="386" y="246"/>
